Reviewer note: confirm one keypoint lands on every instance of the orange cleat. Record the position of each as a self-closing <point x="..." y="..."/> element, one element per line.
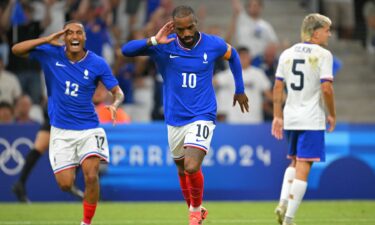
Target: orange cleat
<point x="204" y="212"/>
<point x="195" y="218"/>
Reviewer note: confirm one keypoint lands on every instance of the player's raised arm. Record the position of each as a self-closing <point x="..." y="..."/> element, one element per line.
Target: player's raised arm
<point x="23" y="49"/>
<point x="136" y="47"/>
<point x="235" y="66"/>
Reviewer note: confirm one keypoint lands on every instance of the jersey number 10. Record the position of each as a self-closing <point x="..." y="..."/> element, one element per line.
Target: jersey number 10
<point x="189" y="80"/>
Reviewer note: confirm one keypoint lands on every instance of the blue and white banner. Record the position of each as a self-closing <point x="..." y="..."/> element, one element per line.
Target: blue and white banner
<point x="244" y="163"/>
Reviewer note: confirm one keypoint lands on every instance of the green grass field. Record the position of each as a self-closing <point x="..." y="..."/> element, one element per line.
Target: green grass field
<point x="160" y="213"/>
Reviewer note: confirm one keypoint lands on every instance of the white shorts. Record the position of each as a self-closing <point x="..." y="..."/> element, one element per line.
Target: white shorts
<point x="69" y="148"/>
<point x="197" y="135"/>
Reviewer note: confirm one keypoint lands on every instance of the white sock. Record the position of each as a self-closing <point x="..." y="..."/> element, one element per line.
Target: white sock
<point x="289" y="175"/>
<point x="195" y="209"/>
<point x="297" y="191"/>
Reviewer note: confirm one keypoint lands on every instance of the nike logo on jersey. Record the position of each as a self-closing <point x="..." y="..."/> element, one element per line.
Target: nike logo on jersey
<point x="199" y="140"/>
<point x="60" y="65"/>
<point x="173" y="56"/>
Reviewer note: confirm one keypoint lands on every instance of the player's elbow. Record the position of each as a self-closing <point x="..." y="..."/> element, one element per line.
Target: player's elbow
<point x="17" y="50"/>
<point x="128" y="51"/>
<point x="327" y="89"/>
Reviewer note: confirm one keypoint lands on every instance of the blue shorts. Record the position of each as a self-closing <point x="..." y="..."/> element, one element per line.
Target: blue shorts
<point x="306" y="145"/>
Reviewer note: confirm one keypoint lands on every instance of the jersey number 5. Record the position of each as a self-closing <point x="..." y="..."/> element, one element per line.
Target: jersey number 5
<point x="295" y="86"/>
<point x="72" y="86"/>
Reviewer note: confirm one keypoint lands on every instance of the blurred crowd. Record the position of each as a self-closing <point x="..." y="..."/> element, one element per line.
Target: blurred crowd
<point x="110" y="23"/>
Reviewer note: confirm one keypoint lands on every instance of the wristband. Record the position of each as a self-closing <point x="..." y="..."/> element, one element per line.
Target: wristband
<point x="154" y="41"/>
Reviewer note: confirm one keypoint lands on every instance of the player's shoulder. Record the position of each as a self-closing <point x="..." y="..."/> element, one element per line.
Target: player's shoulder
<point x="287" y="52"/>
<point x="95" y="59"/>
<point x="212" y="37"/>
<point x="324" y="51"/>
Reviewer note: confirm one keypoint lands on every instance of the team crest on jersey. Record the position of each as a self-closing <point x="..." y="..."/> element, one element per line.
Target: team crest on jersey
<point x="205" y="58"/>
<point x="86" y="73"/>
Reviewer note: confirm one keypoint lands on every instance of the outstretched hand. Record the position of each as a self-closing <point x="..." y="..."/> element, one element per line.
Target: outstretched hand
<point x="53" y="39"/>
<point x="277" y="128"/>
<point x="162" y="35"/>
<point x="331" y="123"/>
<point x="113" y="111"/>
<point x="243" y="101"/>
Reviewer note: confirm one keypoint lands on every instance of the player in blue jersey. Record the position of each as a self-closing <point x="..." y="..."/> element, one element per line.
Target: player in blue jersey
<point x="186" y="61"/>
<point x="72" y="74"/>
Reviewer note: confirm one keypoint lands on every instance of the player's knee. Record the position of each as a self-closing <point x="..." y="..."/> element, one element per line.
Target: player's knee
<point x="91" y="178"/>
<point x="191" y="168"/>
<point x="65" y="186"/>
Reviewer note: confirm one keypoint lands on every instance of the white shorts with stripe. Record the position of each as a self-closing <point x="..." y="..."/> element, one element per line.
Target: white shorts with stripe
<point x="69" y="148"/>
<point x="196" y="135"/>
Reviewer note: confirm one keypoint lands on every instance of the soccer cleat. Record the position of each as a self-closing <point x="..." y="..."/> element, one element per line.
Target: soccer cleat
<point x="76" y="192"/>
<point x="82" y="223"/>
<point x="20" y="192"/>
<point x="204" y="212"/>
<point x="280" y="213"/>
<point x="195" y="218"/>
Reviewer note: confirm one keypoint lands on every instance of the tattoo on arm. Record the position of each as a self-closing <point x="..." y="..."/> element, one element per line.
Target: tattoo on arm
<point x="118" y="97"/>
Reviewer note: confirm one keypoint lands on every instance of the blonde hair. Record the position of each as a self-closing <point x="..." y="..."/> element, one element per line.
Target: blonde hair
<point x="311" y="23"/>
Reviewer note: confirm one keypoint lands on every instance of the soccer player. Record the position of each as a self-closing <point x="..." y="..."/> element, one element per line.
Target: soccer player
<point x="72" y="74"/>
<point x="186" y="62"/>
<point x="306" y="71"/>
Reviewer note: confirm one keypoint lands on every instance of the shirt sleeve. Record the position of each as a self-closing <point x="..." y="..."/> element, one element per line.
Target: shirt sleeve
<point x="40" y="52"/>
<point x="326" y="72"/>
<point x="280" y="73"/>
<point x="107" y="78"/>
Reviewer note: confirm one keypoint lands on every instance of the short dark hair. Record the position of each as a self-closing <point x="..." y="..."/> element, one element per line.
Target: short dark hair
<point x="183" y="11"/>
<point x="72" y="21"/>
<point x="6" y="105"/>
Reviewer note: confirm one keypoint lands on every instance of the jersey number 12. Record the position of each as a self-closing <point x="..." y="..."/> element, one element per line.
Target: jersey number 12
<point x="71" y="89"/>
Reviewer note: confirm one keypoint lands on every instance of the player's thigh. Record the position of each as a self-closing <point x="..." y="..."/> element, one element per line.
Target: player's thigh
<point x="65" y="178"/>
<point x="310" y="146"/>
<point x="93" y="142"/>
<point x="62" y="151"/>
<point x="292" y="139"/>
<point x="176" y="136"/>
<point x="90" y="167"/>
<point x="199" y="135"/>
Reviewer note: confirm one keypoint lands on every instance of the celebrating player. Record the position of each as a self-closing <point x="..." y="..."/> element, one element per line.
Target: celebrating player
<point x="306" y="70"/>
<point x="72" y="74"/>
<point x="186" y="61"/>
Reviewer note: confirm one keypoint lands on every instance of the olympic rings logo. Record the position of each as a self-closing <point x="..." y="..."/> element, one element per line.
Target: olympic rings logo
<point x="11" y="152"/>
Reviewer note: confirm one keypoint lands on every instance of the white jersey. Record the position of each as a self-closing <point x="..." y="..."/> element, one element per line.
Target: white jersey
<point x="303" y="67"/>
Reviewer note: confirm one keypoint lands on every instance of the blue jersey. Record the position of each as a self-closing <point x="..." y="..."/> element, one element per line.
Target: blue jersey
<point x="187" y="73"/>
<point x="71" y="86"/>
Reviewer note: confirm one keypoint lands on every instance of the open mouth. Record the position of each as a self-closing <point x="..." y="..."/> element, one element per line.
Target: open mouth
<point x="75" y="43"/>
